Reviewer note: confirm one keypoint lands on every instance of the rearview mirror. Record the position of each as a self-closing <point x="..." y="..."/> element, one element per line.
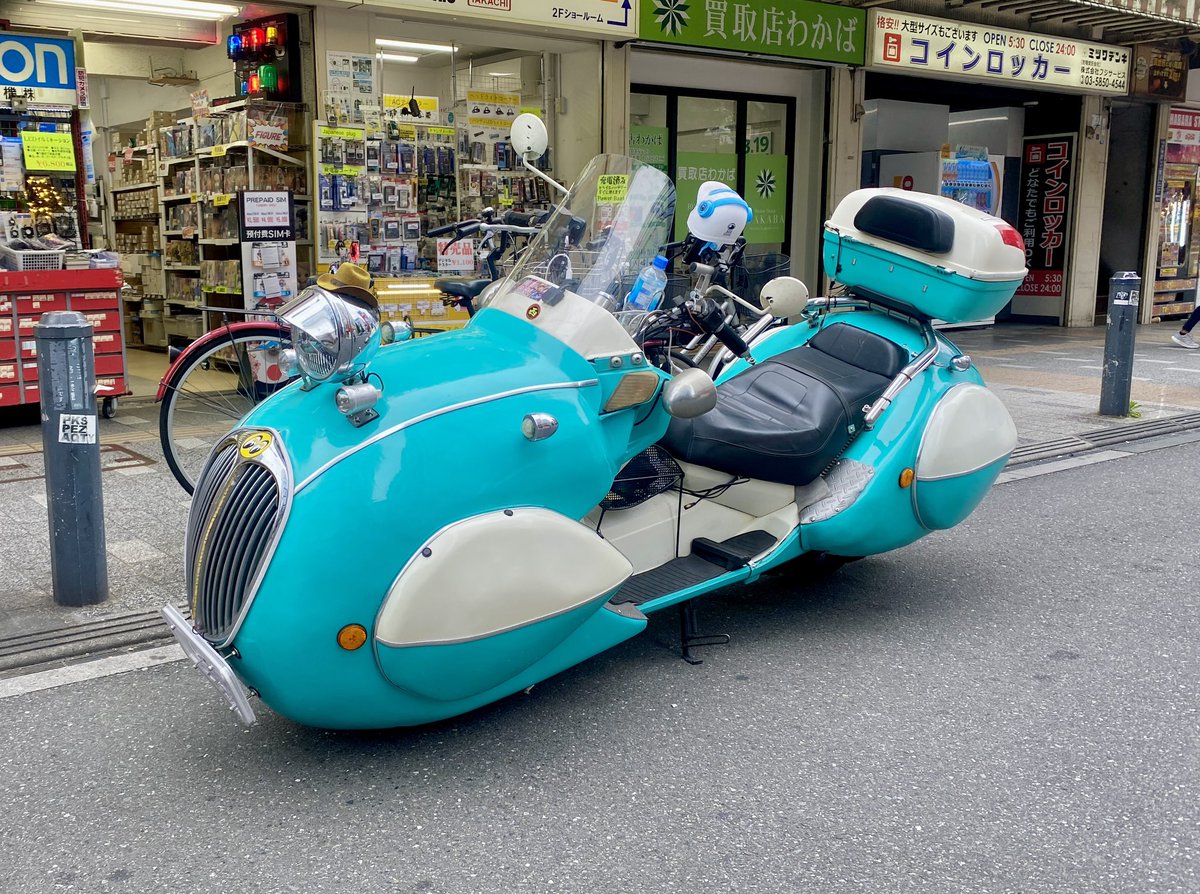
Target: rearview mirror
<point x="689" y="394"/>
<point x="784" y="297"/>
<point x="528" y="136"/>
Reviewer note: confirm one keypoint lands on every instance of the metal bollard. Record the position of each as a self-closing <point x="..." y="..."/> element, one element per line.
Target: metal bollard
<point x="71" y="448"/>
<point x="1124" y="290"/>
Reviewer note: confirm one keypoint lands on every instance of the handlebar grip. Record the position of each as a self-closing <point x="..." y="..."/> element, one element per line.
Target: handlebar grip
<point x="711" y="317"/>
<point x="730" y="339"/>
<point x="518" y="219"/>
<point x="443" y="230"/>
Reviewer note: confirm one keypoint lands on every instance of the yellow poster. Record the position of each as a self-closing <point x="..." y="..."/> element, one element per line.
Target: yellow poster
<point x="47" y="151"/>
<point x="612" y="189"/>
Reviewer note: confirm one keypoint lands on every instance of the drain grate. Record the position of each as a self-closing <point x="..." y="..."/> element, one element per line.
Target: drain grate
<point x="1104" y="437"/>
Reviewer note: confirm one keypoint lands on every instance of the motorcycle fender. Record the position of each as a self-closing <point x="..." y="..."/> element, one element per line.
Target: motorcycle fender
<point x="966" y="443"/>
<point x="488" y="596"/>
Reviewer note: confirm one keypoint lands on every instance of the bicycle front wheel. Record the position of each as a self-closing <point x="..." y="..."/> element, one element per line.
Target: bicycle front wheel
<point x="210" y="392"/>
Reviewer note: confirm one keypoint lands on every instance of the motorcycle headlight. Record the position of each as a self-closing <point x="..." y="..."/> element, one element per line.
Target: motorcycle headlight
<point x="334" y="338"/>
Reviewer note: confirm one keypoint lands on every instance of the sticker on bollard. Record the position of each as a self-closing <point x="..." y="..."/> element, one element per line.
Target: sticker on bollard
<point x="1116" y="380"/>
<point x="75" y="429"/>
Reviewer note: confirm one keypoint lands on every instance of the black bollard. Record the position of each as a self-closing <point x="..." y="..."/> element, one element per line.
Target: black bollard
<point x="1124" y="291"/>
<point x="71" y="449"/>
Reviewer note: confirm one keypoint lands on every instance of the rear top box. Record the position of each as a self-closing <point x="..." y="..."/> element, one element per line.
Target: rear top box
<point x="923" y="253"/>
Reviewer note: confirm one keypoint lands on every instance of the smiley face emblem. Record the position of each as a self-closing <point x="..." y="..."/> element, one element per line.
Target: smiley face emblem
<point x="255" y="444"/>
<point x="533" y="311"/>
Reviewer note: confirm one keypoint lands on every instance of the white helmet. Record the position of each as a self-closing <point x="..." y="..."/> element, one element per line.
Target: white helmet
<point x="720" y="214"/>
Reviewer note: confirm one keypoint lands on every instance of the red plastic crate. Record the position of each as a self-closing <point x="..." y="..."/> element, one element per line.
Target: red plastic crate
<point x="32" y="394"/>
<point x="110" y="386"/>
<point x="103" y="320"/>
<point x="109" y="365"/>
<point x="8" y="373"/>
<point x="106" y="342"/>
<point x="6" y="325"/>
<point x="29" y="371"/>
<point x="25" y="325"/>
<point x="10" y="395"/>
<point x="58" y="280"/>
<point x="27" y="349"/>
<point x="8" y="348"/>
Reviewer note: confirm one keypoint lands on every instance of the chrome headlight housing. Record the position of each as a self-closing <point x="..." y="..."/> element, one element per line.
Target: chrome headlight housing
<point x="334" y="337"/>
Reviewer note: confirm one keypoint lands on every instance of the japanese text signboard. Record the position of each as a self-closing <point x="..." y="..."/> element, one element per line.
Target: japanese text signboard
<point x="1044" y="215"/>
<point x="937" y="47"/>
<point x="799" y="29"/>
<point x="611" y="19"/>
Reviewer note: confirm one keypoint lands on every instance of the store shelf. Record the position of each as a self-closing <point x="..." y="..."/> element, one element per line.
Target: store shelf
<point x="182" y="268"/>
<point x="185" y="197"/>
<point x="219" y="241"/>
<point x="177" y="233"/>
<point x="178" y="160"/>
<point x="133" y="186"/>
<point x="243" y="144"/>
<point x="135" y="217"/>
<point x="212" y="290"/>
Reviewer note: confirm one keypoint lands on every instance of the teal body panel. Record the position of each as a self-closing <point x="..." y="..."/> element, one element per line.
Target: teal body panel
<point x="353" y="526"/>
<point x="944" y="502"/>
<point x="931" y="290"/>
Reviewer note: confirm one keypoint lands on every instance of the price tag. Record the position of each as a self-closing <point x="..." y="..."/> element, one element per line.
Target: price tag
<point x="612" y="189"/>
<point x="222" y="199"/>
<point x="197" y="198"/>
<point x="218" y="151"/>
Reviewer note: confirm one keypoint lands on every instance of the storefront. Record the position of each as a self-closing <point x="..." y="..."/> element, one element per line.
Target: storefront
<point x="757" y="122"/>
<point x="1012" y="122"/>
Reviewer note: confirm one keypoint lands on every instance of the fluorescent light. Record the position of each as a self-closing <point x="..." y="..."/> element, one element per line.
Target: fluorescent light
<point x="413" y="45"/>
<point x="392" y="57"/>
<point x="501" y="74"/>
<point x="189" y="9"/>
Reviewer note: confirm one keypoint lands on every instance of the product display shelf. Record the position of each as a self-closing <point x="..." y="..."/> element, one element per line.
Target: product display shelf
<point x="25" y="296"/>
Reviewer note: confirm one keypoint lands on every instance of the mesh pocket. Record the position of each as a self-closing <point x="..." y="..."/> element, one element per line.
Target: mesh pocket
<point x="647" y="475"/>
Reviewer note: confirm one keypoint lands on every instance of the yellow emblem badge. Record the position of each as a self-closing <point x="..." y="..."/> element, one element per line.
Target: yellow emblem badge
<point x="533" y="311"/>
<point x="255" y="444"/>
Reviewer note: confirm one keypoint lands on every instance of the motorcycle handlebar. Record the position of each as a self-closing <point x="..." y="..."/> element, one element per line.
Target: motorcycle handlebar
<point x="710" y="315"/>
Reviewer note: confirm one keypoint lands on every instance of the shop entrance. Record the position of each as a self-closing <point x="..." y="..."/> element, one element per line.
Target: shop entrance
<point x="747" y="142"/>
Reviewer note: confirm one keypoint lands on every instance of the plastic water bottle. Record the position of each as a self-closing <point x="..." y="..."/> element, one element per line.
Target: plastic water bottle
<point x="648" y="288"/>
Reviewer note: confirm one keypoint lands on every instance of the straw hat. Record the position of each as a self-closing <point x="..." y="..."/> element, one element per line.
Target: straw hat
<point x="352" y="281"/>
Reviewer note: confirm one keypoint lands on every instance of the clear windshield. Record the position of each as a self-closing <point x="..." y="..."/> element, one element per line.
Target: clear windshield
<point x="615" y="219"/>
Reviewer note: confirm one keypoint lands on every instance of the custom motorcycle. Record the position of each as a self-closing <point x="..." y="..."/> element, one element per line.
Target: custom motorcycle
<point x="412" y="531"/>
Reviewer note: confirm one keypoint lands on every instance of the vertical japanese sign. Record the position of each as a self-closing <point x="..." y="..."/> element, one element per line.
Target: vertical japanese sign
<point x="798" y="29"/>
<point x="1046" y="170"/>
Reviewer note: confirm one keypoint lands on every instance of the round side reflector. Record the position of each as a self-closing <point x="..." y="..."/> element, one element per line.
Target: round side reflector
<point x="906" y="477"/>
<point x="352" y="637"/>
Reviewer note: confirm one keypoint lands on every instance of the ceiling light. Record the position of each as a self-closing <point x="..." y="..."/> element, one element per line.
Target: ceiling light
<point x="413" y="45"/>
<point x="501" y="74"/>
<point x="392" y="57"/>
<point x="188" y="9"/>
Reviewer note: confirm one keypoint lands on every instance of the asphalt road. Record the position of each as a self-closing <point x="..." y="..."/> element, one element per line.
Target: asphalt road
<point x="1008" y="707"/>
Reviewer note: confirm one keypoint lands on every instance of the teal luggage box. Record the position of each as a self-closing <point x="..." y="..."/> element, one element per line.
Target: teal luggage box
<point x="923" y="253"/>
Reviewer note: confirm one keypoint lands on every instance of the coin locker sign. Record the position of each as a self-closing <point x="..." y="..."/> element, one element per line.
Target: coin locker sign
<point x="942" y="48"/>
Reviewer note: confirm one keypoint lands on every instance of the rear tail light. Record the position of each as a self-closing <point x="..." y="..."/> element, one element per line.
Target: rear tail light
<point x="1010" y="235"/>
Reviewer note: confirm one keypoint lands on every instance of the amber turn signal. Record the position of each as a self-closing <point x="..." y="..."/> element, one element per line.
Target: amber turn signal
<point x="352" y="637"/>
<point x="906" y="477"/>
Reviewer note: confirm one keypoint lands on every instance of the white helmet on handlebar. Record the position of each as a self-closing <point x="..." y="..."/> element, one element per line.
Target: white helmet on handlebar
<point x="720" y="214"/>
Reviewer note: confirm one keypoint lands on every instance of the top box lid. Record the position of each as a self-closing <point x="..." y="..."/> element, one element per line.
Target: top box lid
<point x="932" y="230"/>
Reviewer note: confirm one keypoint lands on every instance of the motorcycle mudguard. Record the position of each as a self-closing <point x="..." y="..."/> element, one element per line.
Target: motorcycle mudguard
<point x="486" y="597"/>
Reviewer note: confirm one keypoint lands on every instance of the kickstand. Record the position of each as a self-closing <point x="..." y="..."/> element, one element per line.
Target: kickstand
<point x="691" y="638"/>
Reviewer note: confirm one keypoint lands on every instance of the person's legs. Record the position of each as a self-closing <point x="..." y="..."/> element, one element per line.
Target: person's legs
<point x="1183" y="337"/>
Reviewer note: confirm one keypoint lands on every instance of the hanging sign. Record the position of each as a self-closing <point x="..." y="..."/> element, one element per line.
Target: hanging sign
<point x="495" y="110"/>
<point x="942" y="48"/>
<point x="37" y="69"/>
<point x="457" y="258"/>
<point x="1044" y="218"/>
<point x="649" y="145"/>
<point x="1160" y="71"/>
<point x="82" y="99"/>
<point x="266" y="216"/>
<point x="47" y="151"/>
<point x="610" y="19"/>
<point x="798" y="29"/>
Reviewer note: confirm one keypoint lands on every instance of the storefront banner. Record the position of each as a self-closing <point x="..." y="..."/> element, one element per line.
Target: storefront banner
<point x="798" y="29"/>
<point x="693" y="169"/>
<point x="920" y="45"/>
<point x="1160" y="71"/>
<point x="767" y="192"/>
<point x="602" y="19"/>
<point x="47" y="151"/>
<point x="1044" y="217"/>
<point x="649" y="145"/>
<point x="37" y="69"/>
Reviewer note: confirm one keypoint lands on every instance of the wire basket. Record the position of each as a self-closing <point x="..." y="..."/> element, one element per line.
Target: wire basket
<point x="26" y="259"/>
<point x="650" y="473"/>
<point x="755" y="271"/>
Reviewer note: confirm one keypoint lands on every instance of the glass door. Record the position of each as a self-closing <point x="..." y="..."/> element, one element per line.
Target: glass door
<point x="744" y="141"/>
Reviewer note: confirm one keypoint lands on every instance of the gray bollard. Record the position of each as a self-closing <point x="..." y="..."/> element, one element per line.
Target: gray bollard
<point x="71" y="447"/>
<point x="1124" y="291"/>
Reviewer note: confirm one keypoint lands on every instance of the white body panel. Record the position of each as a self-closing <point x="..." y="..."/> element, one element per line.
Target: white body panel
<point x="468" y="586"/>
<point x="584" y="327"/>
<point x="970" y="428"/>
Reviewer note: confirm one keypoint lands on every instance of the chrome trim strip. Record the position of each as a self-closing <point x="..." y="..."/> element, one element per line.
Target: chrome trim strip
<point x="433" y="414"/>
<point x="979" y="468"/>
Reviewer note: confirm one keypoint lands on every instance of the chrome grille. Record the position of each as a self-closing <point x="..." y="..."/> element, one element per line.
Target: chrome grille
<point x="237" y="513"/>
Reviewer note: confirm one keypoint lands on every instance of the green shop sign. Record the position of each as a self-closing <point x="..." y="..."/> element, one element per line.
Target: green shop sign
<point x="799" y="29"/>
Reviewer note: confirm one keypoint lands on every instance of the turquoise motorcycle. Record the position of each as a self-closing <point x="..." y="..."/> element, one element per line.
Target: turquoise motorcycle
<point x="345" y="567"/>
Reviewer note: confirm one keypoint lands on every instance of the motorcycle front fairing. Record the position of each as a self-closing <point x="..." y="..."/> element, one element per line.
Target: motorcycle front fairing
<point x="448" y="528"/>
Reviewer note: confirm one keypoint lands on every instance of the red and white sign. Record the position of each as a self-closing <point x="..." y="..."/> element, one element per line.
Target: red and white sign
<point x="457" y="258"/>
<point x="1184" y="126"/>
<point x="81" y="88"/>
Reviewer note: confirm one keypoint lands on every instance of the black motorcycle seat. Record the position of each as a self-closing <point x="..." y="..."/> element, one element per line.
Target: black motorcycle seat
<point x="787" y="418"/>
<point x="456" y="288"/>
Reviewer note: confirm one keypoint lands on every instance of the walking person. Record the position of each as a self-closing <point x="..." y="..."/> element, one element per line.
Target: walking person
<point x="1183" y="337"/>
